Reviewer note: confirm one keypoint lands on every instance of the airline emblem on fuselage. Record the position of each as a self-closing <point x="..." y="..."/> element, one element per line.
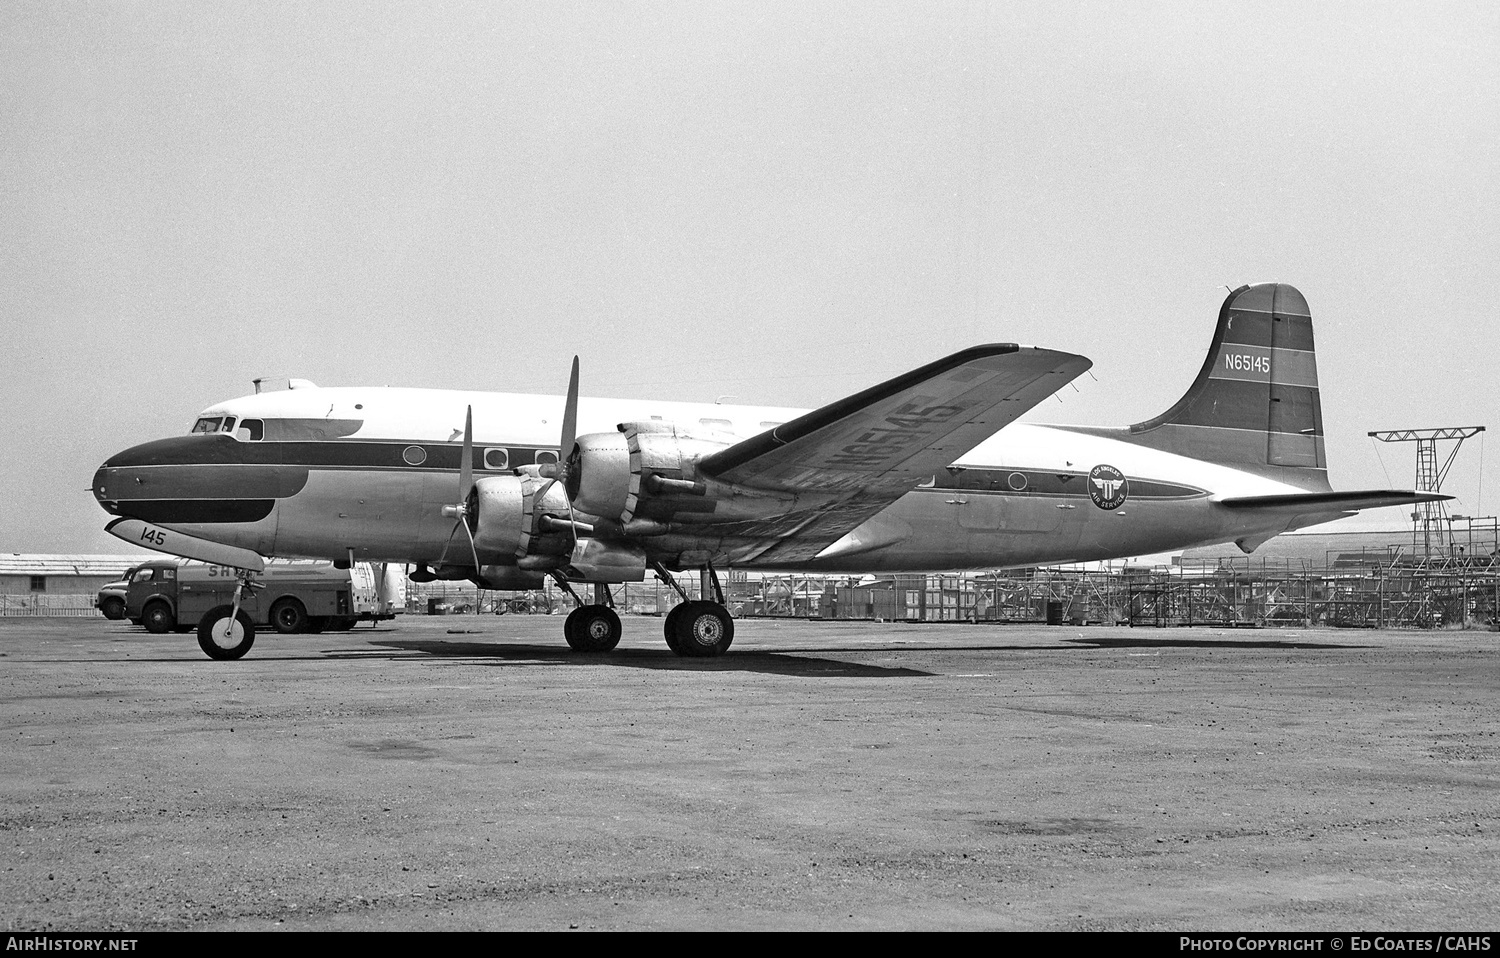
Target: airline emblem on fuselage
<point x="1107" y="487"/>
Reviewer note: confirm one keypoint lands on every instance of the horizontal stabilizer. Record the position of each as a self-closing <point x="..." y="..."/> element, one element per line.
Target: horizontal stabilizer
<point x="1333" y="501"/>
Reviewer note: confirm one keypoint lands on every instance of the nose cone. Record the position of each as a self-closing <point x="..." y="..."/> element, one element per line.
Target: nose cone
<point x="191" y="479"/>
<point x="108" y="501"/>
<point x="151" y="471"/>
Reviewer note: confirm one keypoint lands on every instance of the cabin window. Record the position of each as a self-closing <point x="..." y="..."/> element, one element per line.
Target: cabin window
<point x="545" y="457"/>
<point x="38" y="583"/>
<point x="208" y="424"/>
<point x="496" y="458"/>
<point x="251" y="430"/>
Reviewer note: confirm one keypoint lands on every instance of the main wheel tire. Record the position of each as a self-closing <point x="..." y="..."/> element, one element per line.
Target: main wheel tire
<point x="289" y="616"/>
<point x="158" y="618"/>
<point x="221" y="637"/>
<point x="113" y="608"/>
<point x="703" y="630"/>
<point x="592" y="628"/>
<point x="670" y="627"/>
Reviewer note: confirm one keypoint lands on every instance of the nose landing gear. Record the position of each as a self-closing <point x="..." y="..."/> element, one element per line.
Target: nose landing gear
<point x="225" y="631"/>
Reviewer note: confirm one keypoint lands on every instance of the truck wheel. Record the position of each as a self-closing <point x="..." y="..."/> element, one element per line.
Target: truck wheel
<point x="289" y="616"/>
<point x="113" y="609"/>
<point x="221" y="637"/>
<point x="158" y="618"/>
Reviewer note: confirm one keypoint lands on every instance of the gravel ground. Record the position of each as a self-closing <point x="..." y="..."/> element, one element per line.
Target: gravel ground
<point x="471" y="773"/>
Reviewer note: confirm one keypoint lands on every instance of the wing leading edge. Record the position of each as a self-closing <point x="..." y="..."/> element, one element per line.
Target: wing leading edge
<point x="867" y="450"/>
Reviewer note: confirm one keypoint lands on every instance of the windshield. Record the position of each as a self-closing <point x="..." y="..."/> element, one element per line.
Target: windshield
<point x="208" y="424"/>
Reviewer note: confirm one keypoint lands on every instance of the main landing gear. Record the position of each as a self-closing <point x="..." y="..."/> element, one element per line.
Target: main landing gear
<point x="592" y="627"/>
<point x="697" y="628"/>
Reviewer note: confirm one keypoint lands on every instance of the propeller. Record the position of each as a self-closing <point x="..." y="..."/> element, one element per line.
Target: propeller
<point x="558" y="471"/>
<point x="460" y="510"/>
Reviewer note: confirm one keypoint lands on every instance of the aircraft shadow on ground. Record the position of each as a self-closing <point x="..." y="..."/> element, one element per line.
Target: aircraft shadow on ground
<point x="770" y="663"/>
<point x="1133" y="643"/>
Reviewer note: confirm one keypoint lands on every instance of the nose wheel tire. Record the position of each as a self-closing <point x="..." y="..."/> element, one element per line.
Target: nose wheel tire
<point x="702" y="629"/>
<point x="222" y="637"/>
<point x="592" y="628"/>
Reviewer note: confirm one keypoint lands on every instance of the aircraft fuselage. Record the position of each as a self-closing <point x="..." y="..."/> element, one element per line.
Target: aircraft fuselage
<point x="323" y="472"/>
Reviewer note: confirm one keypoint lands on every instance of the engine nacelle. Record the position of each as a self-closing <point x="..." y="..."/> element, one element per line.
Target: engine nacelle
<point x="510" y="513"/>
<point x="599" y="474"/>
<point x="613" y="475"/>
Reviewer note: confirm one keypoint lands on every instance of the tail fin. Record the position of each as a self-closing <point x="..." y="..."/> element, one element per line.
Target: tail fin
<point x="1255" y="402"/>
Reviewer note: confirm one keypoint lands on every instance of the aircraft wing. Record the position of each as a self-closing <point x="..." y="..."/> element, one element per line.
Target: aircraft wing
<point x="863" y="452"/>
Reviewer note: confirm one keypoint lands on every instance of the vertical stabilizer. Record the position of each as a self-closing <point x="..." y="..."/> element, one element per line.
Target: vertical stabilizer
<point x="1255" y="402"/>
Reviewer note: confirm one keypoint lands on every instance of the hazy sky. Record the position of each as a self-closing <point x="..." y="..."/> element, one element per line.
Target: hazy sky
<point x="783" y="202"/>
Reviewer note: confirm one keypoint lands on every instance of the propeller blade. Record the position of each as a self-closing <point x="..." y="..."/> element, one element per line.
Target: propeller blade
<point x="570" y="418"/>
<point x="572" y="524"/>
<point x="466" y="465"/>
<point x="443" y="559"/>
<point x="472" y="550"/>
<point x="559" y="469"/>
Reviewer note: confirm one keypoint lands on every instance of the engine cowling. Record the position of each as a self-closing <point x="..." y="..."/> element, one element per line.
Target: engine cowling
<point x="645" y="478"/>
<point x="614" y="474"/>
<point x="510" y="521"/>
<point x="599" y="474"/>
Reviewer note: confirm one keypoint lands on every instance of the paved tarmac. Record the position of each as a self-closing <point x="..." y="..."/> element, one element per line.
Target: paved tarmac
<point x="472" y="773"/>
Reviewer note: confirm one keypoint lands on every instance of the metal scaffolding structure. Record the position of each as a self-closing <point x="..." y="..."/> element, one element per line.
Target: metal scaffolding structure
<point x="1429" y="518"/>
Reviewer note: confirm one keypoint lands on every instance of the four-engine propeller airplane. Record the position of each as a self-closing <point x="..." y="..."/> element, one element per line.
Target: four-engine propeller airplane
<point x="928" y="471"/>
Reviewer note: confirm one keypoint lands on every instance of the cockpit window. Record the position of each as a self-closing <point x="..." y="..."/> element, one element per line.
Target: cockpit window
<point x="208" y="424"/>
<point x="228" y="424"/>
<point x="251" y="430"/>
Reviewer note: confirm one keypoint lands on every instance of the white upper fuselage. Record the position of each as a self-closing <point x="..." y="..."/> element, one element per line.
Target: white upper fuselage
<point x="372" y="481"/>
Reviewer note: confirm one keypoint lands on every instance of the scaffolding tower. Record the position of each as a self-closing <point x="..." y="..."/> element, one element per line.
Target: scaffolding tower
<point x="1429" y="518"/>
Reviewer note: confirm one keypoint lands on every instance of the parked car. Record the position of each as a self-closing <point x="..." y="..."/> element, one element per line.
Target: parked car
<point x="111" y="598"/>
